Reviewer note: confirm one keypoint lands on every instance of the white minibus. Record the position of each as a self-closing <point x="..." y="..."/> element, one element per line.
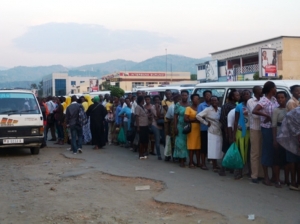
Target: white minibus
<point x="21" y="124"/>
<point x="222" y="89"/>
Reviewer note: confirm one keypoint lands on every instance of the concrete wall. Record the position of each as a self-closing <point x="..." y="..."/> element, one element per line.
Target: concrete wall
<point x="290" y="58"/>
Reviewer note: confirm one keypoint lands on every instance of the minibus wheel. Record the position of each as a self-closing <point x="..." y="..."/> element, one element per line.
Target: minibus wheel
<point x="35" y="150"/>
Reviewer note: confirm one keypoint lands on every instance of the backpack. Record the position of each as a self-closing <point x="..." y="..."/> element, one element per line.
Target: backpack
<point x="82" y="118"/>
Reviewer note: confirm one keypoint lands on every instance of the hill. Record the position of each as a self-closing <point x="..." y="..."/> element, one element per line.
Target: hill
<point x="33" y="74"/>
<point x="176" y="63"/>
<point x="101" y="69"/>
<point x="3" y="68"/>
<point x="22" y="76"/>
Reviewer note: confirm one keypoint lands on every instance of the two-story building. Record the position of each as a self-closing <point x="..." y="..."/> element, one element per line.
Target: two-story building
<point x="242" y="62"/>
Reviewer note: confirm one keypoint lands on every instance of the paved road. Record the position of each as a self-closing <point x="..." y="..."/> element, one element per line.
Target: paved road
<point x="195" y="187"/>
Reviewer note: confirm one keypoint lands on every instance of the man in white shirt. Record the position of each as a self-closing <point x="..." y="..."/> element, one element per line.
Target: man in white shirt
<point x="106" y="100"/>
<point x="134" y="104"/>
<point x="50" y="118"/>
<point x="255" y="136"/>
<point x="231" y="119"/>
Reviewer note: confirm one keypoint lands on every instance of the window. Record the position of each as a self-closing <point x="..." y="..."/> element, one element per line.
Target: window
<point x="19" y="103"/>
<point x="151" y="84"/>
<point x="221" y="63"/>
<point x="215" y="92"/>
<point x="135" y="84"/>
<point x="73" y="83"/>
<point x="201" y="67"/>
<point x="60" y="87"/>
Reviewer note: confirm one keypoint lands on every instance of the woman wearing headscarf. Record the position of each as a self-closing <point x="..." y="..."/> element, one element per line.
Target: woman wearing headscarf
<point x="289" y="138"/>
<point x="65" y="106"/>
<point x="96" y="113"/>
<point x="86" y="103"/>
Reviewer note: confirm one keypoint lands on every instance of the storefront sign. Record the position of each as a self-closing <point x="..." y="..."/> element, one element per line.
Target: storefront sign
<point x="144" y="74"/>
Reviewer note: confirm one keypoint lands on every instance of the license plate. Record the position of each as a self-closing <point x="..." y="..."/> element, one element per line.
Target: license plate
<point x="13" y="141"/>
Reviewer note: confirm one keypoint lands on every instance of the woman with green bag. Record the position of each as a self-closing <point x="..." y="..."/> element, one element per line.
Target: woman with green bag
<point x="121" y="136"/>
<point x="232" y="158"/>
<point x="241" y="133"/>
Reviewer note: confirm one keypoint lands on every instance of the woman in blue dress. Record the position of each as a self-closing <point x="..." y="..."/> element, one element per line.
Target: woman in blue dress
<point x="181" y="151"/>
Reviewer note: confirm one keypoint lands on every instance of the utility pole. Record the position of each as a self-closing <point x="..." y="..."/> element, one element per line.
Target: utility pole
<point x="166" y="64"/>
<point x="171" y="71"/>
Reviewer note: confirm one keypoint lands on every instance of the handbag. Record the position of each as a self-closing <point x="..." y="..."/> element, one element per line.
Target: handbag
<point x="187" y="129"/>
<point x="232" y="158"/>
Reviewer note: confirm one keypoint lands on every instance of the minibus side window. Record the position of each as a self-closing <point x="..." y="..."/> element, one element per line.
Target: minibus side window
<point x="240" y="90"/>
<point x="219" y="92"/>
<point x="286" y="91"/>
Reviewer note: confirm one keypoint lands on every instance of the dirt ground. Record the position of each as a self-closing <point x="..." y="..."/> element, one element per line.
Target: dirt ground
<point x="35" y="189"/>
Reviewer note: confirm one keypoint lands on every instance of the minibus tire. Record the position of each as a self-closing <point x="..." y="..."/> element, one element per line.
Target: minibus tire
<point x="35" y="150"/>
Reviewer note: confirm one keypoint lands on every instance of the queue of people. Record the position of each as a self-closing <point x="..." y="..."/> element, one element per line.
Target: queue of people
<point x="263" y="125"/>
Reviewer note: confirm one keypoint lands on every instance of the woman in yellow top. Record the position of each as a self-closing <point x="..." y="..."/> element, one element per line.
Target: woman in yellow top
<point x="87" y="103"/>
<point x="87" y="136"/>
<point x="193" y="138"/>
<point x="65" y="106"/>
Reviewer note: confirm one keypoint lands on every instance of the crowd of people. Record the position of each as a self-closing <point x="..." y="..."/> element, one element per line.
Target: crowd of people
<point x="262" y="122"/>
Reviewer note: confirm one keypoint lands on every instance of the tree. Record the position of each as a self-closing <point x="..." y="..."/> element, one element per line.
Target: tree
<point x="116" y="91"/>
<point x="256" y="76"/>
<point x="33" y="86"/>
<point x="40" y="89"/>
<point x="193" y="76"/>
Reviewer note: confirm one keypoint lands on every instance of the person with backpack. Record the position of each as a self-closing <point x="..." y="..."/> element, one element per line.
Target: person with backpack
<point x="74" y="123"/>
<point x="97" y="114"/>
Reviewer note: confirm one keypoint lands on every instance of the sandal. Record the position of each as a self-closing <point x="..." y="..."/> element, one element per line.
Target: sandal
<point x="238" y="177"/>
<point x="192" y="166"/>
<point x="267" y="183"/>
<point x="278" y="185"/>
<point x="293" y="188"/>
<point x="204" y="168"/>
<point x="182" y="165"/>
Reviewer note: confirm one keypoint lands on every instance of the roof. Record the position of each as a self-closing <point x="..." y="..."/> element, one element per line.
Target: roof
<point x="17" y="90"/>
<point x="254" y="43"/>
<point x="242" y="84"/>
<point x="287" y="83"/>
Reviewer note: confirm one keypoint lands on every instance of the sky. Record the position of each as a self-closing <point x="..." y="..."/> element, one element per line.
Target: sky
<point x="79" y="32"/>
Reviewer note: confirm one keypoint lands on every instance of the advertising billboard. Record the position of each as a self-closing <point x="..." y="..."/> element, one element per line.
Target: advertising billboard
<point x="94" y="85"/>
<point x="229" y="75"/>
<point x="211" y="70"/>
<point x="267" y="62"/>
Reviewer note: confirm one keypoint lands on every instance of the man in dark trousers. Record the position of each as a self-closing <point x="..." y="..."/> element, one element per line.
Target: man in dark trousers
<point x="72" y="121"/>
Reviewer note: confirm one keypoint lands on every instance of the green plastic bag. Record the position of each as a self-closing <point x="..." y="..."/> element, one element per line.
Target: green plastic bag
<point x="232" y="158"/>
<point x="121" y="136"/>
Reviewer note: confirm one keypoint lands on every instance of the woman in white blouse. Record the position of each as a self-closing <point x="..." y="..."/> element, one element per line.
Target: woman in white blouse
<point x="210" y="117"/>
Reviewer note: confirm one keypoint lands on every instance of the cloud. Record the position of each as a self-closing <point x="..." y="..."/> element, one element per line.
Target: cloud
<point x="66" y="38"/>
